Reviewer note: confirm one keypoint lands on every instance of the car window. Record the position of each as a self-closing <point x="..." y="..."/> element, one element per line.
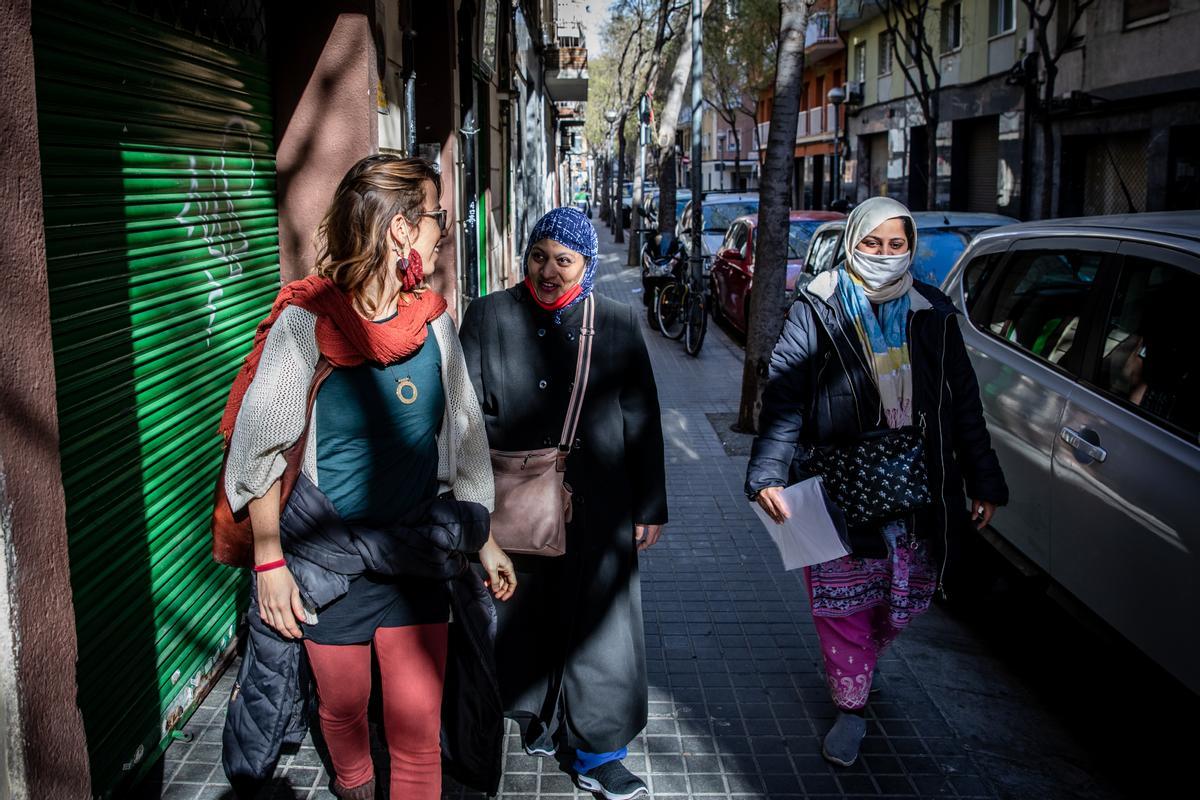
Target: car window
<point x="799" y="234"/>
<point x="727" y="242"/>
<point x="1035" y="300"/>
<point x="937" y="250"/>
<point x="738" y="235"/>
<point x="1148" y="358"/>
<point x="823" y="251"/>
<point x="719" y="216"/>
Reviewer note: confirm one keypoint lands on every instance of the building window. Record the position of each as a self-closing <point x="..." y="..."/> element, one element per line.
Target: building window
<point x="910" y="43"/>
<point x="860" y="61"/>
<point x="732" y="142"/>
<point x="1002" y="16"/>
<point x="1066" y="37"/>
<point x="951" y="26"/>
<point x="1138" y="10"/>
<point x="885" y="53"/>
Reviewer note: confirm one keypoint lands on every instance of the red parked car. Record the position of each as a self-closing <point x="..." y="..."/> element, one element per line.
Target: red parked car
<point x="733" y="267"/>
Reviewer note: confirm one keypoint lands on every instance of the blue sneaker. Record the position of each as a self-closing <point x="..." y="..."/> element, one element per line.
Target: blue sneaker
<point x="612" y="782"/>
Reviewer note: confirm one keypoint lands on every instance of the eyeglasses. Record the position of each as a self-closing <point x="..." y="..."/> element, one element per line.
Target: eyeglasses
<point x="440" y="215"/>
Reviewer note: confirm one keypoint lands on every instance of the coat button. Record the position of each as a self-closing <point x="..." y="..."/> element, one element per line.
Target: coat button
<point x="578" y="443"/>
<point x="570" y="337"/>
<point x="541" y="331"/>
<point x="547" y="442"/>
<point x="542" y="384"/>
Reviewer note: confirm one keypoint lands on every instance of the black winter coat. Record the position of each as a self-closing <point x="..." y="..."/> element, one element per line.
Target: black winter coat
<point x="820" y="392"/>
<point x="270" y="702"/>
<point x="570" y="642"/>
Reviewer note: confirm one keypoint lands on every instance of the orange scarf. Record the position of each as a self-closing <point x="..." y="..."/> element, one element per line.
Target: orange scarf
<point x="343" y="336"/>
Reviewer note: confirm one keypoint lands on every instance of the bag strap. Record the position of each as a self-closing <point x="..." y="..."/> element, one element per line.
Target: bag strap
<point x="583" y="366"/>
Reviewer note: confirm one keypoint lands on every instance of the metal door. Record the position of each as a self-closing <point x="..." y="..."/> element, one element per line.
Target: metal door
<point x="1024" y="378"/>
<point x="1127" y="465"/>
<point x="162" y="242"/>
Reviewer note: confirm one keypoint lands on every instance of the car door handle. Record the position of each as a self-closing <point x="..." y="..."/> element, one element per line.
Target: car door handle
<point x="1082" y="446"/>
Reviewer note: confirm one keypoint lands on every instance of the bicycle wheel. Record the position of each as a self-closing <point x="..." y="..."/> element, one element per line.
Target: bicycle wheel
<point x="696" y="324"/>
<point x="669" y="310"/>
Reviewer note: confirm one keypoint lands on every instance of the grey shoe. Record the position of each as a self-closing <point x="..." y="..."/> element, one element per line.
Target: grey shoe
<point x="612" y="782"/>
<point x="543" y="745"/>
<point x="843" y="740"/>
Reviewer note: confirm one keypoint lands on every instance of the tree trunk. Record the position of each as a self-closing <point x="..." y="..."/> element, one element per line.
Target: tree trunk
<point x="603" y="195"/>
<point x="1047" y="143"/>
<point x="620" y="188"/>
<point x="667" y="185"/>
<point x="666" y="129"/>
<point x="931" y="178"/>
<point x="767" y="306"/>
<point x="737" y="159"/>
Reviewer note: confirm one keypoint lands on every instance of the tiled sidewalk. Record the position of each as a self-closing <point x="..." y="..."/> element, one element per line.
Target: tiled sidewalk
<point x="737" y="701"/>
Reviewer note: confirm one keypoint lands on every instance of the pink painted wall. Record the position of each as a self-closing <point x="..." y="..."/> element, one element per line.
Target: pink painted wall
<point x="49" y="741"/>
<point x="325" y="79"/>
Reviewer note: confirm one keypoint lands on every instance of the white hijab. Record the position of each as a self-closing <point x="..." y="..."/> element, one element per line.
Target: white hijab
<point x="866" y="217"/>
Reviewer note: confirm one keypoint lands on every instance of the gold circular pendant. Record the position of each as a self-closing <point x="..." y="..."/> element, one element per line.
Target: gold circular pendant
<point x="406" y="390"/>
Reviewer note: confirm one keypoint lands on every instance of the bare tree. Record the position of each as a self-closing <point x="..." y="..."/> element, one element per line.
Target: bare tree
<point x="663" y="34"/>
<point x="667" y="122"/>
<point x="739" y="70"/>
<point x="627" y="67"/>
<point x="907" y="27"/>
<point x="770" y="250"/>
<point x="1041" y="15"/>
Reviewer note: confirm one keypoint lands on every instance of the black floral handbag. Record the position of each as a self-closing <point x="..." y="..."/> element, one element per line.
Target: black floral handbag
<point x="879" y="478"/>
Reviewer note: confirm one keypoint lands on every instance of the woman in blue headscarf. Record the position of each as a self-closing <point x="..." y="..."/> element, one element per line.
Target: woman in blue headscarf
<point x="570" y="647"/>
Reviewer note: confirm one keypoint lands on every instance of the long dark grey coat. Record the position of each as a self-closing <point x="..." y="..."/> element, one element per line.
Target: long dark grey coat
<point x="575" y="622"/>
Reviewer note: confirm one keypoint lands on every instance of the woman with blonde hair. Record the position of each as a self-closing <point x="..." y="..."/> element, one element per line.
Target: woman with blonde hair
<point x="394" y="424"/>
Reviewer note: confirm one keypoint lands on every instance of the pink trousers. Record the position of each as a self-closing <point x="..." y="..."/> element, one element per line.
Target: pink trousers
<point x="851" y="646"/>
<point x="412" y="666"/>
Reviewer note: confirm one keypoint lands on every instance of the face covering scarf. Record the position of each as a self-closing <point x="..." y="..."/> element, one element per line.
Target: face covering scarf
<point x="883" y="278"/>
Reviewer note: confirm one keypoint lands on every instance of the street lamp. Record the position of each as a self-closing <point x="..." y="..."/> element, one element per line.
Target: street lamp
<point x="836" y="97"/>
<point x="611" y="116"/>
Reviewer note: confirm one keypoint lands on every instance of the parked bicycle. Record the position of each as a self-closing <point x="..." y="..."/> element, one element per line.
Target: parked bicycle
<point x="681" y="309"/>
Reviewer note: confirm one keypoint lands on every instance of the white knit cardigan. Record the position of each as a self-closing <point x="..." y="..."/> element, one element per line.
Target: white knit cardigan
<point x="272" y="416"/>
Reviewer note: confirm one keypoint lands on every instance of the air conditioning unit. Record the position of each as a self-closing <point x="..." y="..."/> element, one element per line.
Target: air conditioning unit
<point x="854" y="93"/>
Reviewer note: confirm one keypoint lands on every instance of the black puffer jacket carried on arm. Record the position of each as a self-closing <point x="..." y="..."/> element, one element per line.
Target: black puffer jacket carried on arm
<point x="270" y="703"/>
<point x="821" y="392"/>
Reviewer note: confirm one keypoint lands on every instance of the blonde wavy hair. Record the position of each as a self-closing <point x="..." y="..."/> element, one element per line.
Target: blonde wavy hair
<point x="352" y="240"/>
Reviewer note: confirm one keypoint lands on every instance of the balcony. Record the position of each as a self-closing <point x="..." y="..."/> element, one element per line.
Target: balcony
<point x="815" y="124"/>
<point x="566" y="73"/>
<point x="821" y="38"/>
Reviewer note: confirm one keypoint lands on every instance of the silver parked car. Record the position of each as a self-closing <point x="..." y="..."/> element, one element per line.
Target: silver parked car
<point x="1086" y="341"/>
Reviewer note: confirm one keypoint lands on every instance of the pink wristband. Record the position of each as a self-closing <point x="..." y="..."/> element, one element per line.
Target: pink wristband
<point x="270" y="565"/>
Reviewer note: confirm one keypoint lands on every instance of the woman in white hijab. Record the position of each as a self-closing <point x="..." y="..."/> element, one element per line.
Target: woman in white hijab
<point x="867" y="348"/>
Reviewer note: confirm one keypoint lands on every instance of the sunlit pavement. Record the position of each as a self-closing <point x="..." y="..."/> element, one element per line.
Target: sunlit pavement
<point x="737" y="701"/>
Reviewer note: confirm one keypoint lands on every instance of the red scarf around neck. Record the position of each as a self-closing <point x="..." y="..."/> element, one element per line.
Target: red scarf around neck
<point x="343" y="336"/>
<point x="558" y="304"/>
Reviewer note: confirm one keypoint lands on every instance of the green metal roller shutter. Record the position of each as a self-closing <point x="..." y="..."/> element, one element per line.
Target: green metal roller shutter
<point x="162" y="236"/>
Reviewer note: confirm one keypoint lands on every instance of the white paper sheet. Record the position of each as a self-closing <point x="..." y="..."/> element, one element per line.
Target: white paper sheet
<point x="808" y="536"/>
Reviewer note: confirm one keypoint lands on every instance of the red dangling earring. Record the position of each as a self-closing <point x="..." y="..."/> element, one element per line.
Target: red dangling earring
<point x="411" y="271"/>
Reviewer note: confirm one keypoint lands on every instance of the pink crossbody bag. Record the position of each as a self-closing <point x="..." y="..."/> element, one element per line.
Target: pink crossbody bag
<point x="533" y="500"/>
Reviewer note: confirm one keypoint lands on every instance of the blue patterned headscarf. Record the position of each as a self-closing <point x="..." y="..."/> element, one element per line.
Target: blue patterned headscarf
<point x="571" y="228"/>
